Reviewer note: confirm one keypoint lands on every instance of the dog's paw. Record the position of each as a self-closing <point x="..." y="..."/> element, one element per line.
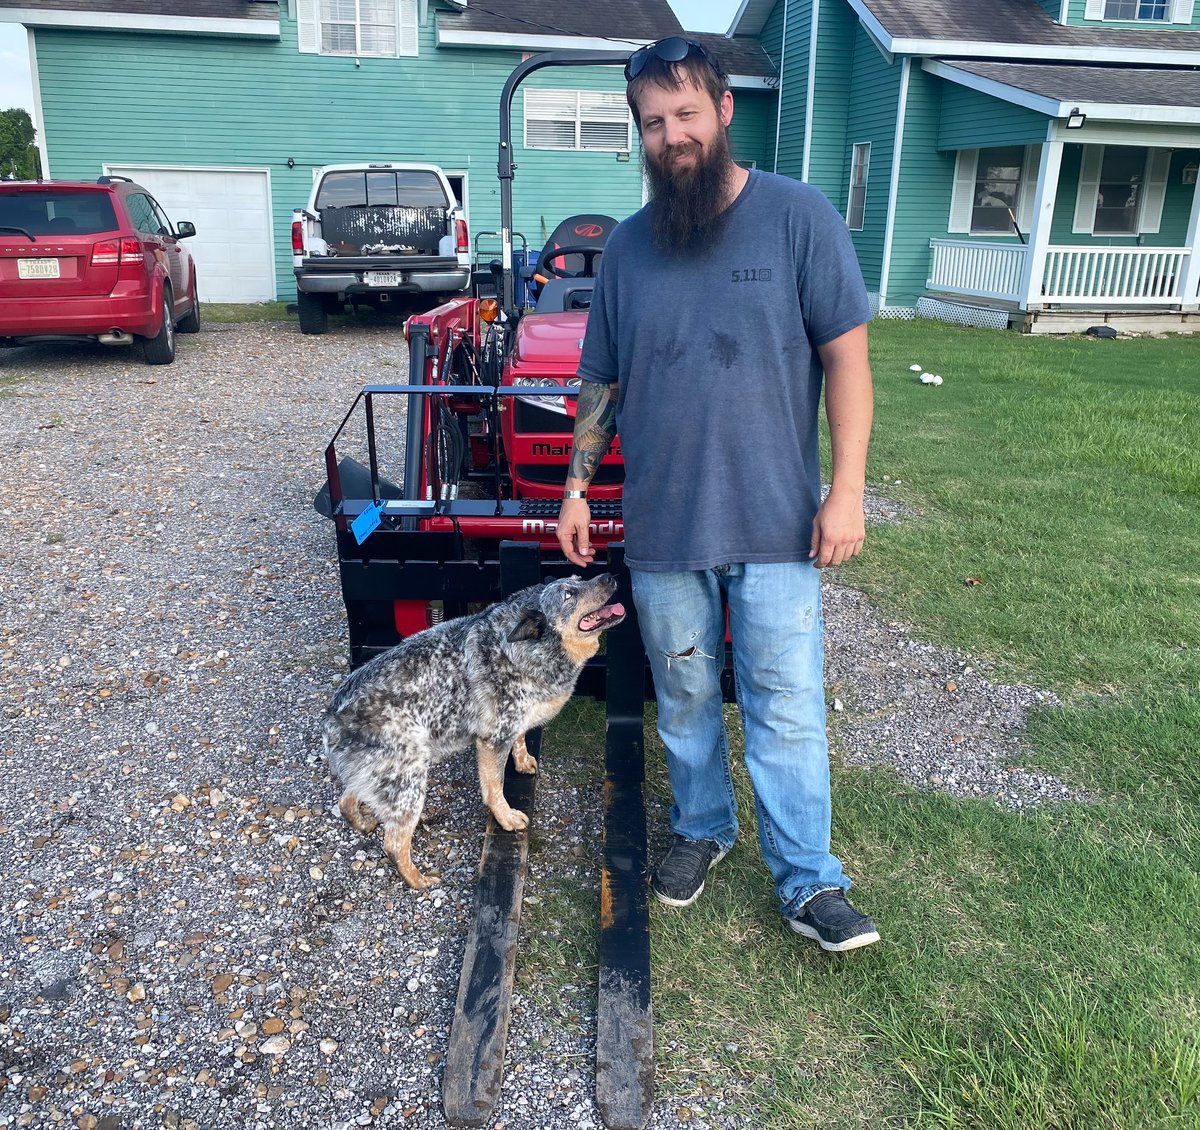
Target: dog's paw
<point x="420" y="882"/>
<point x="526" y="764"/>
<point x="510" y="819"/>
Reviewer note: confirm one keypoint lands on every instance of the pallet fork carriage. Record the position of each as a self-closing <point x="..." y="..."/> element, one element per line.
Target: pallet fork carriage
<point x="428" y="548"/>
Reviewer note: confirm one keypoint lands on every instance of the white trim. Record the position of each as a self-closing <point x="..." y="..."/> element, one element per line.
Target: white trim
<point x="452" y="37"/>
<point x="1191" y="276"/>
<point x="1055" y="108"/>
<point x="118" y="21"/>
<point x="39" y="117"/>
<point x="855" y="146"/>
<point x="751" y="82"/>
<point x="779" y="100"/>
<point x="1050" y="166"/>
<point x="810" y="96"/>
<point x="1064" y="11"/>
<point x="894" y="188"/>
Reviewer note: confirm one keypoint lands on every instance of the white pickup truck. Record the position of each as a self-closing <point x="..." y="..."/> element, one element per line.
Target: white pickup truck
<point x="372" y="233"/>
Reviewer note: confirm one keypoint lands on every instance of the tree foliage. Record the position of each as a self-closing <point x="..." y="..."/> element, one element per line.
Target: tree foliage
<point x="19" y="158"/>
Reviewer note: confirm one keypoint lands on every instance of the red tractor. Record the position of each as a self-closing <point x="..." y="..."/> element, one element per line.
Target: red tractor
<point x="463" y="512"/>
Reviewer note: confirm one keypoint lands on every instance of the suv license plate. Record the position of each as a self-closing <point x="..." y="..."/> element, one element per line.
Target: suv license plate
<point x="383" y="278"/>
<point x="37" y="269"/>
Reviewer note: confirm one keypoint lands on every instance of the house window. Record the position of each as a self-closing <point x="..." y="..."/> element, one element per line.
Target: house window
<point x="577" y="119"/>
<point x="1118" y="198"/>
<point x="860" y="164"/>
<point x="385" y="28"/>
<point x="1135" y="9"/>
<point x="997" y="195"/>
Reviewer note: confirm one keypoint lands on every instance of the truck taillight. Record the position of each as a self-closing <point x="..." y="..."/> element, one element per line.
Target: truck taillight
<point x="461" y="243"/>
<point x="297" y="238"/>
<point x="111" y="252"/>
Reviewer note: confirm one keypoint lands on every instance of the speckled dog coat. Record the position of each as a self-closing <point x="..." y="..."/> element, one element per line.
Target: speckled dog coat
<point x="484" y="680"/>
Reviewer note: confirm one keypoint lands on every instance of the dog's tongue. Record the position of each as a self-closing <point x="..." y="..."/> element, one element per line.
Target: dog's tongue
<point x="597" y="618"/>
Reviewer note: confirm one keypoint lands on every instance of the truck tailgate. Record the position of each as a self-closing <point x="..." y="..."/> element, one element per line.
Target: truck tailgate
<point x="383" y="229"/>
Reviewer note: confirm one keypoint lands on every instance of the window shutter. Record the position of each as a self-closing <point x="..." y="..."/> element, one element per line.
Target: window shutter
<point x="1089" y="186"/>
<point x="1158" y="167"/>
<point x="963" y="199"/>
<point x="1094" y="10"/>
<point x="1029" y="179"/>
<point x="406" y="28"/>
<point x="1181" y="12"/>
<point x="308" y="30"/>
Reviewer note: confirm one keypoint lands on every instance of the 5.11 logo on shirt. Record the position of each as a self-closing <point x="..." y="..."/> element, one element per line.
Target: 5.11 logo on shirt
<point x="752" y="274"/>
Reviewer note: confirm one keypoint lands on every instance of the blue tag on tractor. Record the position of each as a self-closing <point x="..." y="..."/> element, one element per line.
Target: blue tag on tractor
<point x="367" y="522"/>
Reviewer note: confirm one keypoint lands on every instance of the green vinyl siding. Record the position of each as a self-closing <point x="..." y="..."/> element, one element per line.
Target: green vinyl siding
<point x="828" y="152"/>
<point x="771" y="36"/>
<point x="871" y="118"/>
<point x="793" y="110"/>
<point x="1076" y="9"/>
<point x="752" y="132"/>
<point x="971" y="120"/>
<point x="1176" y="212"/>
<point x="201" y="101"/>
<point x="923" y="194"/>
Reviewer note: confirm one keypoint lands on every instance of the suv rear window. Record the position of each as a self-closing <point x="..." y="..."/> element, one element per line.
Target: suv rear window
<point x="58" y="212"/>
<point x="407" y="188"/>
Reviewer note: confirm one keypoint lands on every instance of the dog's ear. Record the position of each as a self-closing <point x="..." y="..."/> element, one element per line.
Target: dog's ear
<point x="531" y="626"/>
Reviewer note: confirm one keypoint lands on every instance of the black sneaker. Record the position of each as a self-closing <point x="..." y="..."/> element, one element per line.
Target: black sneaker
<point x="830" y="920"/>
<point x="679" y="878"/>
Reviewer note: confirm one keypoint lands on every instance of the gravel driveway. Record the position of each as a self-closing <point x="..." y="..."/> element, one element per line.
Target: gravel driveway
<point x="190" y="937"/>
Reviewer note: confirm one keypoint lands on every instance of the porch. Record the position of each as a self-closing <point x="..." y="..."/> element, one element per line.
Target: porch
<point x="1142" y="289"/>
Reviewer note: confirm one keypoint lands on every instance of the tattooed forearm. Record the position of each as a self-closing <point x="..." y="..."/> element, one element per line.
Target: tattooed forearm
<point x="595" y="428"/>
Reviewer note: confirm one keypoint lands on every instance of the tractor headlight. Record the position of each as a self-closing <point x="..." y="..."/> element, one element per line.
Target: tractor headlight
<point x="550" y="403"/>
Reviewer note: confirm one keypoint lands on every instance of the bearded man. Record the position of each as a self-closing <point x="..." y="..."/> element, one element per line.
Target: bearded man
<point x="717" y="310"/>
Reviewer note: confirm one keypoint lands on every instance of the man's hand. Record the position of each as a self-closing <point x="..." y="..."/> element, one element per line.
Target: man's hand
<point x="573" y="536"/>
<point x="839" y="529"/>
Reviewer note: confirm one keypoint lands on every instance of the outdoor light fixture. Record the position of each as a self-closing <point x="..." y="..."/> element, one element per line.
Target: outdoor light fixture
<point x="1076" y="118"/>
<point x="291" y="162"/>
<point x="623" y="155"/>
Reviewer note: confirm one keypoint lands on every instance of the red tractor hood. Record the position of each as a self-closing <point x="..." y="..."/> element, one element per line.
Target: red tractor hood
<point x="548" y="345"/>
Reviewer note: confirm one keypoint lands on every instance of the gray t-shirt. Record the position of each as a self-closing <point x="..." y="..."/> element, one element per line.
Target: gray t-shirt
<point x="719" y="376"/>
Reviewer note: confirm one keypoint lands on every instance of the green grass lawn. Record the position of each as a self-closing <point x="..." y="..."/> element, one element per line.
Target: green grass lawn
<point x="1038" y="969"/>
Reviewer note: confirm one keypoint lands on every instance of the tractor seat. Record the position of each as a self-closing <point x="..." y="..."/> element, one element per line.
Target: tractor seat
<point x="589" y="230"/>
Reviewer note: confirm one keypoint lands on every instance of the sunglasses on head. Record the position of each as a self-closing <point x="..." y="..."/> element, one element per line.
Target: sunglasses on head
<point x="674" y="49"/>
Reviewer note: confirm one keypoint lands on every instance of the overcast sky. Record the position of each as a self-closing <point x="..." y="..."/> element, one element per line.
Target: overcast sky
<point x="16" y="88"/>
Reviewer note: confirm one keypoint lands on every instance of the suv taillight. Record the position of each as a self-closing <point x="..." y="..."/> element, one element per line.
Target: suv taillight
<point x="111" y="252"/>
<point x="461" y="242"/>
<point x="297" y="238"/>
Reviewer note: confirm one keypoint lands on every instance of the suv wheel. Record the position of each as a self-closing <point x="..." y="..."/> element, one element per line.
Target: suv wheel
<point x="190" y="322"/>
<point x="160" y="349"/>
<point x="314" y="315"/>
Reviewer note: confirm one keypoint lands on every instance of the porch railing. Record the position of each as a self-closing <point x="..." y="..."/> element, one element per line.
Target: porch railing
<point x="1092" y="276"/>
<point x="976" y="269"/>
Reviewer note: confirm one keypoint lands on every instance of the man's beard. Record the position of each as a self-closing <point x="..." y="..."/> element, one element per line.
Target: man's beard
<point x="689" y="204"/>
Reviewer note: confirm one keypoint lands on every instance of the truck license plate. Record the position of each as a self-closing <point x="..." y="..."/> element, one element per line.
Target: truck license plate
<point x="37" y="268"/>
<point x="383" y="278"/>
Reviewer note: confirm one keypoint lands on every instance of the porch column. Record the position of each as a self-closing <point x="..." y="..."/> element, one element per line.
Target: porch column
<point x="1191" y="274"/>
<point x="1039" y="230"/>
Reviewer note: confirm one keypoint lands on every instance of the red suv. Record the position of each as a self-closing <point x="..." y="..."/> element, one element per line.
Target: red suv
<point x="95" y="261"/>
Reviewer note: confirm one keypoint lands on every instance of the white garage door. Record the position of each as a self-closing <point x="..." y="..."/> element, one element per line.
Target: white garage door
<point x="231" y="208"/>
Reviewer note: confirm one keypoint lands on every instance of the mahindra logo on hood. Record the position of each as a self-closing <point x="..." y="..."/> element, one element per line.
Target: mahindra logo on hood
<point x="589" y="231"/>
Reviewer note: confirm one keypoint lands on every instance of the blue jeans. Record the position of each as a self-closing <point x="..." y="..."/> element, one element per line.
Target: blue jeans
<point x="778" y="651"/>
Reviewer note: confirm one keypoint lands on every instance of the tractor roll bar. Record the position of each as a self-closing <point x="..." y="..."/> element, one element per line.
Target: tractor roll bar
<point x="505" y="167"/>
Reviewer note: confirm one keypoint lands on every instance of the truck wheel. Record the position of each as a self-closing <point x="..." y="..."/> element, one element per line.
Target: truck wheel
<point x="160" y="349"/>
<point x="314" y="315"/>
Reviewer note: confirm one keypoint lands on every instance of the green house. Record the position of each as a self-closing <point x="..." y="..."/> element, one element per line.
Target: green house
<point x="1028" y="162"/>
<point x="223" y="113"/>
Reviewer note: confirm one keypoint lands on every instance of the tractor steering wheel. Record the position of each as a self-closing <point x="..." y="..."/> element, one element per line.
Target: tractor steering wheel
<point x="589" y="251"/>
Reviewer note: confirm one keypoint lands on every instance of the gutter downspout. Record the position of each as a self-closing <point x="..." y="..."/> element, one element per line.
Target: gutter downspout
<point x="894" y="185"/>
<point x="813" y="31"/>
<point x="779" y="94"/>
